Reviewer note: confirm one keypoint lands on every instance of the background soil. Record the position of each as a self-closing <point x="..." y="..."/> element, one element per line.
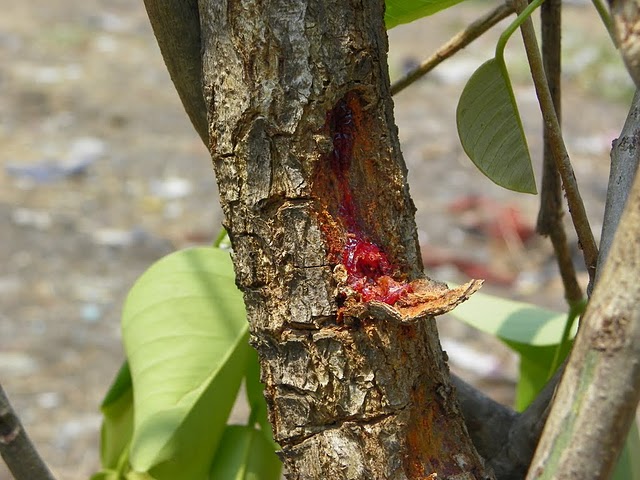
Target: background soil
<point x="102" y="174"/>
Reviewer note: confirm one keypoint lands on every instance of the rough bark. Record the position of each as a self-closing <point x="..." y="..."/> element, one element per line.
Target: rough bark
<point x="597" y="398"/>
<point x="311" y="177"/>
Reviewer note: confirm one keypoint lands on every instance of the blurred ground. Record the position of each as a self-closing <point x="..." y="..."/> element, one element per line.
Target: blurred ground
<point x="102" y="174"/>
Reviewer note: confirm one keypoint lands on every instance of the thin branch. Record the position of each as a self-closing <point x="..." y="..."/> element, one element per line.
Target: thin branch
<point x="625" y="156"/>
<point x="16" y="448"/>
<point x="551" y="204"/>
<point x="456" y="43"/>
<point x="176" y="26"/>
<point x="556" y="142"/>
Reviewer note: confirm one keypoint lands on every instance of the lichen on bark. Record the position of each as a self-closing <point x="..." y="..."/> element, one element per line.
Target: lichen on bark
<point x="365" y="398"/>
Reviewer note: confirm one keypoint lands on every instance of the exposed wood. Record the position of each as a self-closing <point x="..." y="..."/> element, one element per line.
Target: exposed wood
<point x="308" y="164"/>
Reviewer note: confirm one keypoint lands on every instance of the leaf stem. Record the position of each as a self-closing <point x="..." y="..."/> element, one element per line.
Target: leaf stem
<point x="455" y="44"/>
<point x="220" y="238"/>
<point x="504" y="38"/>
<point x="606" y="19"/>
<point x="556" y="142"/>
<point x="575" y="310"/>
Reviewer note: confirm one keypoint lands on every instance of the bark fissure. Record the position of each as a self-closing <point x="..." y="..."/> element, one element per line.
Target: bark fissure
<point x="274" y="71"/>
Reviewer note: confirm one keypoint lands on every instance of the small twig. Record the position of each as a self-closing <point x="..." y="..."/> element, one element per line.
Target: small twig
<point x="551" y="205"/>
<point x="16" y="448"/>
<point x="456" y="43"/>
<point x="556" y="142"/>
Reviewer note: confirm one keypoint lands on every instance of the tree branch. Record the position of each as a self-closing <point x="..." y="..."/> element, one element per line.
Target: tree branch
<point x="625" y="156"/>
<point x="176" y="25"/>
<point x="488" y="421"/>
<point x="505" y="439"/>
<point x="16" y="448"/>
<point x="551" y="205"/>
<point x="602" y="379"/>
<point x="455" y="44"/>
<point x="518" y="448"/>
<point x="556" y="142"/>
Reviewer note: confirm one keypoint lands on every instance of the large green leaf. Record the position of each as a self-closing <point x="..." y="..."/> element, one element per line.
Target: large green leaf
<point x="117" y="427"/>
<point x="185" y="336"/>
<point x="534" y="371"/>
<point x="509" y="320"/>
<point x="405" y="11"/>
<point x="533" y="332"/>
<point x="490" y="129"/>
<point x="245" y="454"/>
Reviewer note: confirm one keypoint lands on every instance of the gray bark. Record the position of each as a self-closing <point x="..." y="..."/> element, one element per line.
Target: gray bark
<point x="354" y="390"/>
<point x="625" y="156"/>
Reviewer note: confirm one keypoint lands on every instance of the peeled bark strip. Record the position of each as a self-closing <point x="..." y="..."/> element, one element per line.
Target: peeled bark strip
<point x="313" y="187"/>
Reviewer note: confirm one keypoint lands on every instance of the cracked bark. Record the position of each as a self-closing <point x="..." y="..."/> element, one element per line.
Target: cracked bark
<point x="349" y="396"/>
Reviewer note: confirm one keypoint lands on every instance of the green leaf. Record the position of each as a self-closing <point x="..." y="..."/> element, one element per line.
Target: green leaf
<point x="185" y="335"/>
<point x="628" y="467"/>
<point x="512" y="321"/>
<point x="117" y="427"/>
<point x="245" y="454"/>
<point x="405" y="11"/>
<point x="533" y="332"/>
<point x="490" y="129"/>
<point x="535" y="363"/>
<point x="255" y="397"/>
<point x="106" y="475"/>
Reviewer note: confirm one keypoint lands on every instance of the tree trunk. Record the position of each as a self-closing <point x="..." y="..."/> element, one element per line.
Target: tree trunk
<point x="313" y="187"/>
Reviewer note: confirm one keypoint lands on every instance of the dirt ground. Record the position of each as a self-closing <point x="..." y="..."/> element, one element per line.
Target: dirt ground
<point x="102" y="174"/>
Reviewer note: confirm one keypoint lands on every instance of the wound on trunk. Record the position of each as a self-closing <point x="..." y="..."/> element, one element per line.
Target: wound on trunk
<point x="370" y="273"/>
